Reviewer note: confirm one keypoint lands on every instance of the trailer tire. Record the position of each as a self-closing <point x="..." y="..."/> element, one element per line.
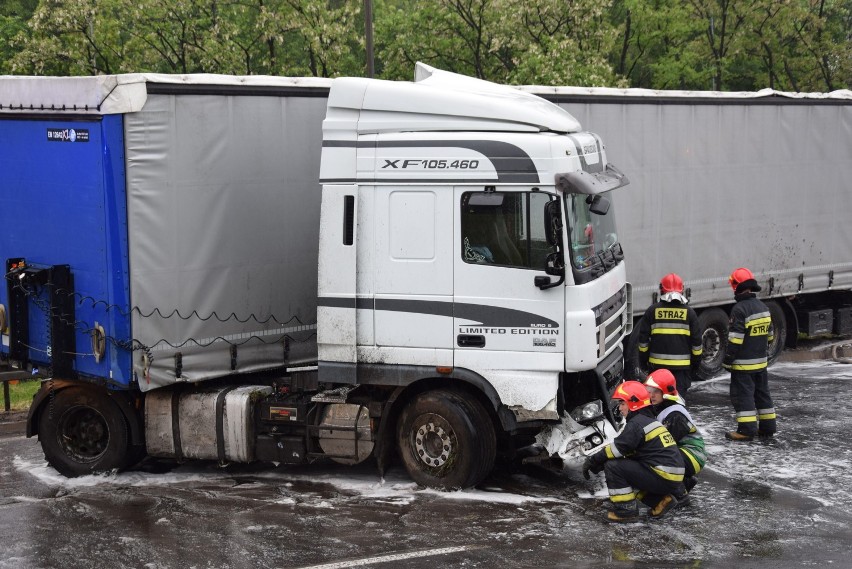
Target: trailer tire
<point x="779" y="330"/>
<point x="446" y="440"/>
<point x="714" y="339"/>
<point x="83" y="432"/>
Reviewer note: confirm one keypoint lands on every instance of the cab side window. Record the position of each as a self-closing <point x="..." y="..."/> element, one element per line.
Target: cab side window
<point x="504" y="228"/>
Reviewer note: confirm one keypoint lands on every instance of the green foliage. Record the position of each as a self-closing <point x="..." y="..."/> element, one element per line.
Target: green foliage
<point x="800" y="45"/>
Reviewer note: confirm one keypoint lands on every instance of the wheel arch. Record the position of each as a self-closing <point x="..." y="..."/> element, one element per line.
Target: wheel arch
<point x="463" y="380"/>
<point x="122" y="399"/>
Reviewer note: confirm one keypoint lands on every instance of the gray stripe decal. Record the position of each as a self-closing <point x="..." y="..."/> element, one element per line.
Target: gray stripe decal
<point x="482" y="314"/>
<point x="512" y="164"/>
<point x="338" y="302"/>
<point x="590" y="168"/>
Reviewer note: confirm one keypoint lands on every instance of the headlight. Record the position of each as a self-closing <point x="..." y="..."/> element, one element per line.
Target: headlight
<point x="587" y="413"/>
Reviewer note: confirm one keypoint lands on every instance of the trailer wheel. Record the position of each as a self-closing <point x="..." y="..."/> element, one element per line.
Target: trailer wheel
<point x="779" y="330"/>
<point x="446" y="440"/>
<point x="82" y="431"/>
<point x="714" y="338"/>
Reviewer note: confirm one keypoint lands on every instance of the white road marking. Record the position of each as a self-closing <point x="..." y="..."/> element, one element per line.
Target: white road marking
<point x="394" y="557"/>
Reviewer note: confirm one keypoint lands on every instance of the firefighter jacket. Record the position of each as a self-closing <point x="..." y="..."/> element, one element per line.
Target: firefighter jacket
<point x="674" y="416"/>
<point x="749" y="335"/>
<point x="645" y="440"/>
<point x="670" y="336"/>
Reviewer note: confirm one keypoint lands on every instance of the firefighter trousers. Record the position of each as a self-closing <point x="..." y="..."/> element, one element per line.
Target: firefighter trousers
<point x="629" y="479"/>
<point x="752" y="403"/>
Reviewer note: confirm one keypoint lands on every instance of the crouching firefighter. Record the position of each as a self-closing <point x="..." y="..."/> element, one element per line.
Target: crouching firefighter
<point x="670" y="410"/>
<point x="643" y="462"/>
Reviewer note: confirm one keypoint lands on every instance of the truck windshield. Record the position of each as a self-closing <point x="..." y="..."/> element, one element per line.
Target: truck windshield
<point x="593" y="236"/>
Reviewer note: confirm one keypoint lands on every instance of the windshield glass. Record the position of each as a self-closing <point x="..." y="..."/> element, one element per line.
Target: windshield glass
<point x="591" y="234"/>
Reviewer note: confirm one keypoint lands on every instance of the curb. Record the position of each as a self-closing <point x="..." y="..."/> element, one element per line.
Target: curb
<point x="13" y="423"/>
<point x="13" y="428"/>
<point x="839" y="351"/>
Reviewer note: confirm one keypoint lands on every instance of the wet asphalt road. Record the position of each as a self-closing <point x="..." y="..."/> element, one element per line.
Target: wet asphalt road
<point x="784" y="503"/>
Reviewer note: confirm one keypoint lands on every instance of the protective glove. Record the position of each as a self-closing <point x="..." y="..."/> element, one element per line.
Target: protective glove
<point x="587" y="466"/>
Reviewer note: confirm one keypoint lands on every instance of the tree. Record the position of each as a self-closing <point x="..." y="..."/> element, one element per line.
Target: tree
<point x="537" y="41"/>
<point x="14" y="15"/>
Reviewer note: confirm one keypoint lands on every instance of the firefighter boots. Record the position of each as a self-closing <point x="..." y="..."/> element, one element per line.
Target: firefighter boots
<point x="663" y="506"/>
<point x="623" y="513"/>
<point x="735" y="436"/>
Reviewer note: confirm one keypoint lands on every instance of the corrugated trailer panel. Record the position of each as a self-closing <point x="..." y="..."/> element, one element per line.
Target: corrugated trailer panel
<point x="223" y="202"/>
<point x="62" y="194"/>
<point x="717" y="185"/>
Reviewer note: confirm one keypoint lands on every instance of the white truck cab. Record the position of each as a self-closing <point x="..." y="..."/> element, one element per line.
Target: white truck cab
<point x="467" y="238"/>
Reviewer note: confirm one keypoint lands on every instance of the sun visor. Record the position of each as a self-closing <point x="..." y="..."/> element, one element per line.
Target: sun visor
<point x="588" y="183"/>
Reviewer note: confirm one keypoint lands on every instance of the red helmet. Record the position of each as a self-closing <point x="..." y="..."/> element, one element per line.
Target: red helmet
<point x="740" y="275"/>
<point x="663" y="380"/>
<point x="671" y="283"/>
<point x="634" y="393"/>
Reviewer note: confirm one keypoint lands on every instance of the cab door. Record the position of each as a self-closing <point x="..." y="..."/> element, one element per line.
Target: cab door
<point x="506" y="328"/>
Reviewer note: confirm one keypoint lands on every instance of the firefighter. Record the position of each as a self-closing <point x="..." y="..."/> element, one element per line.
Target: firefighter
<point x="642" y="462"/>
<point x="670" y="410"/>
<point x="749" y="335"/>
<point x="669" y="334"/>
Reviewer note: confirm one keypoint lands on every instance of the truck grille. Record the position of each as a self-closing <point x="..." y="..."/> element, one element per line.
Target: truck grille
<point x="612" y="317"/>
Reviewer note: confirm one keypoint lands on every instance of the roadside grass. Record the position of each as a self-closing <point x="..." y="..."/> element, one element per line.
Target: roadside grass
<point x="20" y="395"/>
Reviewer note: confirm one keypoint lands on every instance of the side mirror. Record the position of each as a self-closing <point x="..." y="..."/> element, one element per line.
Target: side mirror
<point x="554" y="265"/>
<point x="598" y="204"/>
<point x="553" y="223"/>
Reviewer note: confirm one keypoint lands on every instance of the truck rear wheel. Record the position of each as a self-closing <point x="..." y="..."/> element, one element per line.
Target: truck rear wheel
<point x="779" y="331"/>
<point x="82" y="431"/>
<point x="446" y="440"/>
<point x="714" y="338"/>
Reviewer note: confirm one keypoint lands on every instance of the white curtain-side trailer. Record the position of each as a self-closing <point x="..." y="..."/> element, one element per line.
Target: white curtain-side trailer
<point x="726" y="180"/>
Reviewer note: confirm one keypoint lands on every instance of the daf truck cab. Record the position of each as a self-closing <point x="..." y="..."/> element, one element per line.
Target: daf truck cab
<point x="468" y="244"/>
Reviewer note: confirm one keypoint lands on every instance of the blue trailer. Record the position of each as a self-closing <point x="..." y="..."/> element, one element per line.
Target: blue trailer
<point x="140" y="209"/>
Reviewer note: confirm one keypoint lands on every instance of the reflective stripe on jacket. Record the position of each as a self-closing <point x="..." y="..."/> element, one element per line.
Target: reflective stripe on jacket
<point x="749" y="335"/>
<point x="645" y="439"/>
<point x="670" y="336"/>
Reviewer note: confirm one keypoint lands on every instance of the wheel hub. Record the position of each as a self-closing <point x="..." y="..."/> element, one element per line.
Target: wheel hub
<point x="433" y="444"/>
<point x="84" y="434"/>
<point x="712" y="344"/>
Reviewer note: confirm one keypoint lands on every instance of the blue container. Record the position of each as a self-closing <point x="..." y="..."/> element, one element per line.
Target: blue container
<point x="63" y="198"/>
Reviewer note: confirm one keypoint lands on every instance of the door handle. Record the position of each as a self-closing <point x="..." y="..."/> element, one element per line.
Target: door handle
<point x="471" y="341"/>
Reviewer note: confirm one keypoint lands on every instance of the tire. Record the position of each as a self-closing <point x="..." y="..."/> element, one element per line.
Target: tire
<point x="446" y="440"/>
<point x="82" y="432"/>
<point x="714" y="335"/>
<point x="779" y="330"/>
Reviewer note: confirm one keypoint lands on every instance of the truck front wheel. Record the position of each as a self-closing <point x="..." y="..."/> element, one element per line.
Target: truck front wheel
<point x="82" y="431"/>
<point x="446" y="440"/>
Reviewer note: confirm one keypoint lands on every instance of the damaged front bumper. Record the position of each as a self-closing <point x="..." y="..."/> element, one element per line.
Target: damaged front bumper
<point x="571" y="439"/>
